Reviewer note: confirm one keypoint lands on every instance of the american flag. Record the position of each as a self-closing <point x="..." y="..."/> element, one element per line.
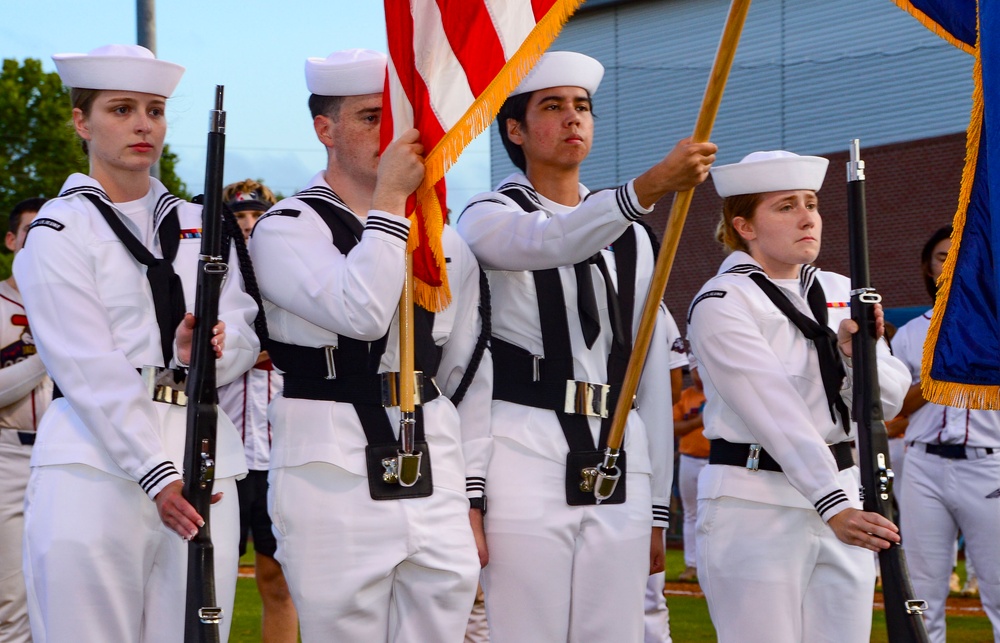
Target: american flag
<point x="452" y="63"/>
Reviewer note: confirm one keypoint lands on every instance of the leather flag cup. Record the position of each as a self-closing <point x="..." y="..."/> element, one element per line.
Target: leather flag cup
<point x="452" y="63"/>
<point x="961" y="365"/>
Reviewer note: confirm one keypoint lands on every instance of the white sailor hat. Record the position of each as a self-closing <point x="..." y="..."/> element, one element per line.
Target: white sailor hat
<point x="770" y="172"/>
<point x="122" y="67"/>
<point x="562" y="68"/>
<point x="351" y="72"/>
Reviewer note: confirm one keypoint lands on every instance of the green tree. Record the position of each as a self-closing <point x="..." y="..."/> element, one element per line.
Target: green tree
<point x="38" y="146"/>
<point x="168" y="174"/>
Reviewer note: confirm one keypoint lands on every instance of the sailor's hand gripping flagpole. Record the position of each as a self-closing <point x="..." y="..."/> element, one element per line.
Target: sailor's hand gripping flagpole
<point x="608" y="472"/>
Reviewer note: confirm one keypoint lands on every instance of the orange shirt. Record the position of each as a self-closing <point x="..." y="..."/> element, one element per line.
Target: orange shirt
<point x="694" y="444"/>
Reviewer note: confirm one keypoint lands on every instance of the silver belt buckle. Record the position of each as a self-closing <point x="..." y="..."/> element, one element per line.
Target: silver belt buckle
<point x="390" y="388"/>
<point x="753" y="459"/>
<point x="585" y="398"/>
<point x="331" y="368"/>
<point x="162" y="386"/>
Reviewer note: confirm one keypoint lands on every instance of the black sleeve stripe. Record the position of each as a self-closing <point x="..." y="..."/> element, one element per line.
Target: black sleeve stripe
<point x="156" y="475"/>
<point x="830" y="500"/>
<point x="625" y="204"/>
<point x="392" y="232"/>
<point x="393" y="229"/>
<point x="387" y="224"/>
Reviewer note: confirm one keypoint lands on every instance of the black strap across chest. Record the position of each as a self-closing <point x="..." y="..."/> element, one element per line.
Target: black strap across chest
<point x="558" y="362"/>
<point x="358" y="357"/>
<point x="166" y="286"/>
<point x="820" y="334"/>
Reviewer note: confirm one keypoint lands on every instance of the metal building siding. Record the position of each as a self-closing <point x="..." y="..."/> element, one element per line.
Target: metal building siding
<point x="808" y="76"/>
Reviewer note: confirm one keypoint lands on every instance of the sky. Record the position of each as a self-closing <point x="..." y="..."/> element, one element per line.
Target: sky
<point x="256" y="48"/>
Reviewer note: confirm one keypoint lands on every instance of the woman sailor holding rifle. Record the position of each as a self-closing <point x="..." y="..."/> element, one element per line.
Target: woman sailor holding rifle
<point x="781" y="537"/>
<point x="108" y="275"/>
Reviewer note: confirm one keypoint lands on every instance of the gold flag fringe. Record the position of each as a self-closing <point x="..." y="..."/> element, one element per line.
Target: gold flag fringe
<point x="475" y="121"/>
<point x="975" y="396"/>
<point x="926" y="21"/>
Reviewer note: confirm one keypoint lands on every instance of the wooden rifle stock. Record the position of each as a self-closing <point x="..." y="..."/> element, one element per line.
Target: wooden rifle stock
<point x="902" y="611"/>
<point x="202" y="615"/>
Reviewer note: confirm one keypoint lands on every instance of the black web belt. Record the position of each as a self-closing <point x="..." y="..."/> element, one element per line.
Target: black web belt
<point x="315" y="377"/>
<point x="165" y="385"/>
<point x="753" y="457"/>
<point x="527" y="380"/>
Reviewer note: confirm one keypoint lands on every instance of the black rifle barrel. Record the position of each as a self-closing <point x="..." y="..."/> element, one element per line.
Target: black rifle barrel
<point x="902" y="611"/>
<point x="202" y="615"/>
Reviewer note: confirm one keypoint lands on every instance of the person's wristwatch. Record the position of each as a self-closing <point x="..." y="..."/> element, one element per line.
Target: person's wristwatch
<point x="478" y="503"/>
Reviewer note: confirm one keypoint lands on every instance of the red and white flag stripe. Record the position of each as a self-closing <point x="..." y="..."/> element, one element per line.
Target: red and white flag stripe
<point x="452" y="63"/>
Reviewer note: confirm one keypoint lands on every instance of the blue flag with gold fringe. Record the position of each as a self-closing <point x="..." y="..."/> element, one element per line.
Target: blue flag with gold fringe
<point x="961" y="365"/>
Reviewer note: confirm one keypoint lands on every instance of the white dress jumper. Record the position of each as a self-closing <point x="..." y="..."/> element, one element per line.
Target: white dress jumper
<point x="559" y="572"/>
<point x="99" y="564"/>
<point x="770" y="566"/>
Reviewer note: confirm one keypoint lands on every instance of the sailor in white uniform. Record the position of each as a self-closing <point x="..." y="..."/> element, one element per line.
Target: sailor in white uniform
<point x="782" y="541"/>
<point x="25" y="393"/>
<point x="561" y="571"/>
<point x="952" y="479"/>
<point x="362" y="563"/>
<point x="105" y="558"/>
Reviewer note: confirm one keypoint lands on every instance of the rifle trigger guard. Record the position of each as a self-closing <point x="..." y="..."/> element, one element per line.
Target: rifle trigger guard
<point x="916" y="606"/>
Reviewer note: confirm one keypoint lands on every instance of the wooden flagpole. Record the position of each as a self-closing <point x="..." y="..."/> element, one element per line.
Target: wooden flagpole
<point x="675" y="224"/>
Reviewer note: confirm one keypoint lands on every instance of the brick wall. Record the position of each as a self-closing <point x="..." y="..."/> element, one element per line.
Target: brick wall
<point x="911" y="188"/>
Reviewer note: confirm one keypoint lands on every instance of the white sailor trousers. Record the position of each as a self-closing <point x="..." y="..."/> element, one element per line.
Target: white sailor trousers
<point x="101" y="567"/>
<point x="14" y="470"/>
<point x="402" y="571"/>
<point x="560" y="573"/>
<point x="938" y="497"/>
<point x="775" y="574"/>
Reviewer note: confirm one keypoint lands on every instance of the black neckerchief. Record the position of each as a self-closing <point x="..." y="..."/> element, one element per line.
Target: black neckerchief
<point x="831" y="367"/>
<point x="166" y="286"/>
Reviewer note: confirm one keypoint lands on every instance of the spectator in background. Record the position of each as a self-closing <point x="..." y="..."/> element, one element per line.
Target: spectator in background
<point x="245" y="401"/>
<point x="25" y="393"/>
<point x="248" y="200"/>
<point x="689" y="427"/>
<point x="952" y="479"/>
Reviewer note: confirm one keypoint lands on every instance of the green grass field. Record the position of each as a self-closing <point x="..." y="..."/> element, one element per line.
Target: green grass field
<point x="689" y="621"/>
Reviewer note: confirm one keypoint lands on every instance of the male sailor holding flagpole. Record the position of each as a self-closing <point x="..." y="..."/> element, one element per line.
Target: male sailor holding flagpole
<point x="366" y="558"/>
